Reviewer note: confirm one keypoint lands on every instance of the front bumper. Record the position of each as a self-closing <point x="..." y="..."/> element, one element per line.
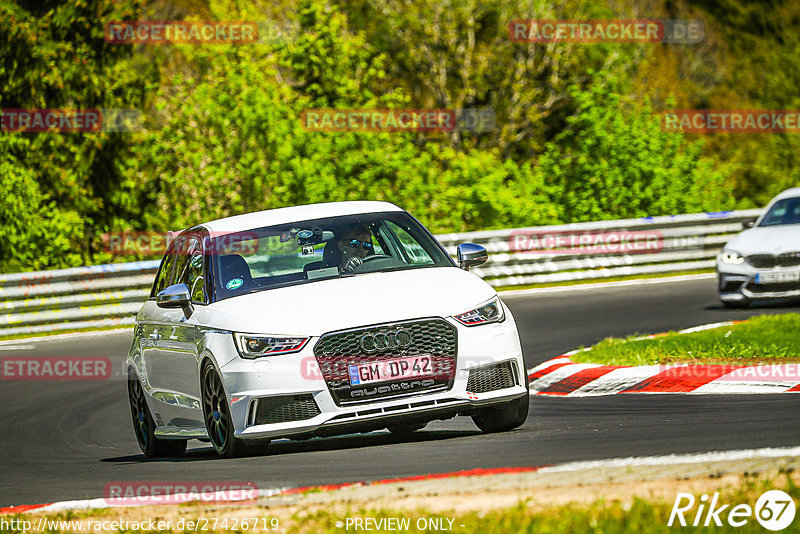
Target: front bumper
<point x="737" y="283"/>
<point x="297" y="376"/>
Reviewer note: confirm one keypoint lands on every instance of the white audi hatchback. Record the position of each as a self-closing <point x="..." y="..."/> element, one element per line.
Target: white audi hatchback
<point x="318" y="320"/>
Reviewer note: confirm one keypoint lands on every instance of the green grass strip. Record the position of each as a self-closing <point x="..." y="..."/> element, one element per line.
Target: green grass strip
<point x="764" y="339"/>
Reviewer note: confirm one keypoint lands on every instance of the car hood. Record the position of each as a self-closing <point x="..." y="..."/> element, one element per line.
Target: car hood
<point x="315" y="308"/>
<point x="767" y="240"/>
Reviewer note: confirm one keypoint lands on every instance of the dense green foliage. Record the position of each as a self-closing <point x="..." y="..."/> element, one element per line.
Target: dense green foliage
<point x="577" y="135"/>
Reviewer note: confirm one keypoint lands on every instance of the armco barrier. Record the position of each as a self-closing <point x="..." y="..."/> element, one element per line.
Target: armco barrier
<point x="107" y="295"/>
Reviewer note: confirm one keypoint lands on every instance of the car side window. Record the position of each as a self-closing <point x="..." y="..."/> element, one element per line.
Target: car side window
<point x="164" y="273"/>
<point x="189" y="269"/>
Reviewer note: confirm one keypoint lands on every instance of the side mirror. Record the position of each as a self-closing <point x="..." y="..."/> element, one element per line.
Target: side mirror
<point x="470" y="255"/>
<point x="749" y="223"/>
<point x="176" y="296"/>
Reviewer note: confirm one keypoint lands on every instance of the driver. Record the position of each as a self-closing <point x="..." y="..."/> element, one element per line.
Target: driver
<point x="355" y="244"/>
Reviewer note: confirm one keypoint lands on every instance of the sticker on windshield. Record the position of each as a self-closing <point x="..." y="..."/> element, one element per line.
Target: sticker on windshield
<point x="235" y="283"/>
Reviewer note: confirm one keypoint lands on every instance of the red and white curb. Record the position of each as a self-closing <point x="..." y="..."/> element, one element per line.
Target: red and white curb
<point x="210" y="498"/>
<point x="562" y="377"/>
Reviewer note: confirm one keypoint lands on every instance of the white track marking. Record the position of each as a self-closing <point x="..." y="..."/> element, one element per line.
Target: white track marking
<point x="676" y="459"/>
<point x="617" y="380"/>
<point x="602" y="285"/>
<point x="561" y="373"/>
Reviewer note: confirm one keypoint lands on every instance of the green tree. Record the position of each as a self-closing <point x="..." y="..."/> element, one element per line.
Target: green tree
<point x="614" y="161"/>
<point x="53" y="55"/>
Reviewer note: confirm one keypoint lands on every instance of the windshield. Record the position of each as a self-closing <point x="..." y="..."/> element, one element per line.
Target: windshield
<point x="307" y="251"/>
<point x="785" y="211"/>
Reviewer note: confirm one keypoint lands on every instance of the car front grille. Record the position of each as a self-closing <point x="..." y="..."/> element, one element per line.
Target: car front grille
<point x="762" y="261"/>
<point x="435" y="338"/>
<point x="789" y="259"/>
<point x="491" y="378"/>
<point x="768" y="261"/>
<point x="284" y="408"/>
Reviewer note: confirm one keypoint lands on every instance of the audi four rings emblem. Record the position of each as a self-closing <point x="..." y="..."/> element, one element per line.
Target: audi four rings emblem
<point x="394" y="339"/>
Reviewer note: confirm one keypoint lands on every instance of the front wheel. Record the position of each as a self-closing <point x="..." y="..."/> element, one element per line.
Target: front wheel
<point x="503" y="418"/>
<point x="144" y="426"/>
<point x="506" y="417"/>
<point x="217" y="415"/>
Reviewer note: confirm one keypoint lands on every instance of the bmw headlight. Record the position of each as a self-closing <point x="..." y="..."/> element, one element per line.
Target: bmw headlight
<point x="490" y="312"/>
<point x="731" y="257"/>
<point x="255" y="346"/>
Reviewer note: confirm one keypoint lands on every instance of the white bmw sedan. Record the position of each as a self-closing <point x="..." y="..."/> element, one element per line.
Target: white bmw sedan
<point x="763" y="262"/>
<point x="318" y="320"/>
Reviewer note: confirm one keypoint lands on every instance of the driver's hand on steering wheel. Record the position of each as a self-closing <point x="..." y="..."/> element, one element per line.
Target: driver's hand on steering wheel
<point x="351" y="264"/>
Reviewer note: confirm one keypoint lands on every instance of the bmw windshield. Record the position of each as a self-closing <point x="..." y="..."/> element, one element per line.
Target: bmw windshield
<point x="785" y="211"/>
<point x="307" y="251"/>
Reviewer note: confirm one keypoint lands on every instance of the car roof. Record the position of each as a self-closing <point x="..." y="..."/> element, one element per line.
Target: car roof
<point x="259" y="219"/>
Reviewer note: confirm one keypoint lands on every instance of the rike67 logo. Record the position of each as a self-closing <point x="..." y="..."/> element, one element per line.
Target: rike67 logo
<point x="774" y="510"/>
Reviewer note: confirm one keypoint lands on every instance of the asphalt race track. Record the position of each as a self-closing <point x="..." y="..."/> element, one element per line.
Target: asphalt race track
<point x="66" y="440"/>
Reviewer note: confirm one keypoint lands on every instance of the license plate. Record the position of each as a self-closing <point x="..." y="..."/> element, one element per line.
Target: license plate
<point x="778" y="277"/>
<point x="395" y="369"/>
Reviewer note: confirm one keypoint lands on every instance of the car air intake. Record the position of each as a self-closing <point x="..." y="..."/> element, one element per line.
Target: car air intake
<point x="491" y="378"/>
<point x="284" y="408"/>
<point x="777" y="287"/>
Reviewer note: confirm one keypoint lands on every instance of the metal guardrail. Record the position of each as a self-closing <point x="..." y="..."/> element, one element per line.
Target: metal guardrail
<point x="108" y="295"/>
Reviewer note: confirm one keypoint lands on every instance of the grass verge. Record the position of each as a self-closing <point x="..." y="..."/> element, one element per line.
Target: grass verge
<point x="128" y="327"/>
<point x="764" y="339"/>
<point x="612" y="515"/>
<point x="601" y="516"/>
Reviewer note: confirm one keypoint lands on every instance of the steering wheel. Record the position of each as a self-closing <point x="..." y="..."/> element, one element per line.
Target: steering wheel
<point x="375" y="257"/>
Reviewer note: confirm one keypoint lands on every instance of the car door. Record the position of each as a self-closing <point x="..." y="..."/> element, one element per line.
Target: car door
<point x="171" y="358"/>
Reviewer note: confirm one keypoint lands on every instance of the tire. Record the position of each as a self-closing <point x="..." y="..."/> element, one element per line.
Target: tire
<point x="406" y="430"/>
<point x="506" y="417"/>
<point x="217" y="415"/>
<point x="144" y="427"/>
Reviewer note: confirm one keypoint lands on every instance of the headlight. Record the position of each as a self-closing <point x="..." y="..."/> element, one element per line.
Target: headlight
<point x="729" y="256"/>
<point x="491" y="312"/>
<point x="254" y="346"/>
